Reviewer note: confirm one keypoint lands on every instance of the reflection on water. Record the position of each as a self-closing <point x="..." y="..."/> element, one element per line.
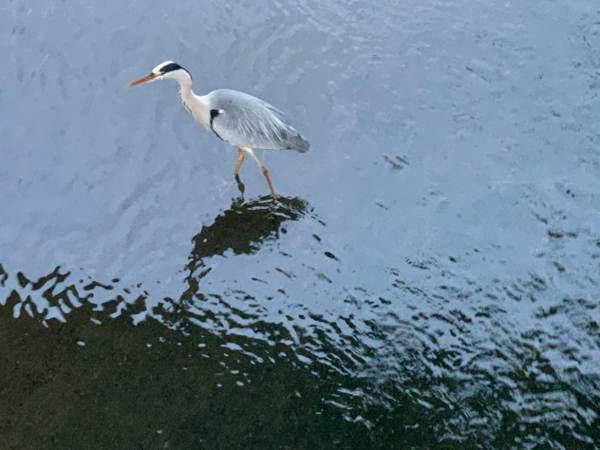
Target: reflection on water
<point x="245" y="226"/>
<point x="242" y="229"/>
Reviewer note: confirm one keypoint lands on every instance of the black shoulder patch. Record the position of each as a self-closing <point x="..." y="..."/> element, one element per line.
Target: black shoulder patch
<point x="214" y="113"/>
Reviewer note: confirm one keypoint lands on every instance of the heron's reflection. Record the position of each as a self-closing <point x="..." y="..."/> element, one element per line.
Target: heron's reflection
<point x="244" y="227"/>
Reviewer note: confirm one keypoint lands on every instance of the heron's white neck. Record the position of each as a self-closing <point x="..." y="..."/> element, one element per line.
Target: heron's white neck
<point x="197" y="107"/>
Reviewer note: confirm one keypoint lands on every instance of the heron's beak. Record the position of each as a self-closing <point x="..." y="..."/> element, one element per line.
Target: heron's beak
<point x="149" y="77"/>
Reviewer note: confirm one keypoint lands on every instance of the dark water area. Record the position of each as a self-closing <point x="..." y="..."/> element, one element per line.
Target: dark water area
<point x="430" y="278"/>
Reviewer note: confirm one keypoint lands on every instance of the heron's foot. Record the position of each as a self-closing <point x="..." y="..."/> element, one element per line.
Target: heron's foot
<point x="240" y="185"/>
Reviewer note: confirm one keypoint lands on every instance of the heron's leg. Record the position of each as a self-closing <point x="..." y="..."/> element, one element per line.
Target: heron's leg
<point x="240" y="160"/>
<point x="264" y="170"/>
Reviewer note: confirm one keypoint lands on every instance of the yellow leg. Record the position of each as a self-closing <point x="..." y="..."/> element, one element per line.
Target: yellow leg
<point x="240" y="160"/>
<point x="263" y="168"/>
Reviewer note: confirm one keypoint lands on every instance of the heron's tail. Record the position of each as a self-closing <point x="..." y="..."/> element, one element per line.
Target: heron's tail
<point x="295" y="141"/>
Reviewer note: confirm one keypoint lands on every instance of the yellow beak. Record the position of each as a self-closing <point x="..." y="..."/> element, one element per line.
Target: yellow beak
<point x="148" y="77"/>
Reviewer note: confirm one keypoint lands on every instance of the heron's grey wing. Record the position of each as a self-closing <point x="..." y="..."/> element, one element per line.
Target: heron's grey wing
<point x="247" y="121"/>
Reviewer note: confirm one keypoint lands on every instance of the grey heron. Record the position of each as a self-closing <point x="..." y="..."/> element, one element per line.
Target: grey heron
<point x="235" y="117"/>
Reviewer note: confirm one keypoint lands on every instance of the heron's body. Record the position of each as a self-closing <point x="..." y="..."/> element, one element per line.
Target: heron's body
<point x="235" y="117"/>
<point x="246" y="121"/>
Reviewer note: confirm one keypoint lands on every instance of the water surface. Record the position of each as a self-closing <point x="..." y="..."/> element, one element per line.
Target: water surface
<point x="429" y="280"/>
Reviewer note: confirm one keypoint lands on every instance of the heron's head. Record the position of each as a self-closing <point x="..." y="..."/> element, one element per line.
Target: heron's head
<point x="168" y="69"/>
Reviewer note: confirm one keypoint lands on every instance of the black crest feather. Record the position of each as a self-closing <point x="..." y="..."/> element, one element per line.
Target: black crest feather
<point x="171" y="67"/>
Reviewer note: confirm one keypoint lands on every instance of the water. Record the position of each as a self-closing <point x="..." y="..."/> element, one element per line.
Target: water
<point x="429" y="280"/>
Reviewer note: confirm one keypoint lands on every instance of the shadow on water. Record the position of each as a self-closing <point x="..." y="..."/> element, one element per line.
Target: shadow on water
<point x="245" y="226"/>
<point x="242" y="229"/>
